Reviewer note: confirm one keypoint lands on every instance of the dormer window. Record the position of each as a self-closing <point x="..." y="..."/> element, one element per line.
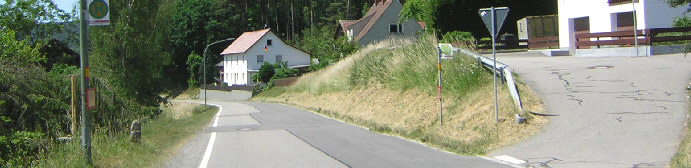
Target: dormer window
<point x="268" y="42"/>
<point x="395" y="28"/>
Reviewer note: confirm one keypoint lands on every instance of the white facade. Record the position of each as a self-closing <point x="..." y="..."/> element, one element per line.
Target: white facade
<point x="239" y="67"/>
<point x="600" y="16"/>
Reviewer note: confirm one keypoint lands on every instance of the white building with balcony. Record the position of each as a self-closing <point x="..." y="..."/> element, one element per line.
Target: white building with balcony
<point x="591" y="16"/>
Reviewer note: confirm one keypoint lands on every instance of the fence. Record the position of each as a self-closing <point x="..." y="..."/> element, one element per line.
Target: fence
<point x="626" y="38"/>
<point x="228" y="88"/>
<point x="533" y="43"/>
<point x="285" y="81"/>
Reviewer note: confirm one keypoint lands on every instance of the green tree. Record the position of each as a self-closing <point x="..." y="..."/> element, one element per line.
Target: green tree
<point x="33" y="19"/>
<point x="677" y="3"/>
<point x="132" y="52"/>
<point x="266" y="72"/>
<point x="194" y="64"/>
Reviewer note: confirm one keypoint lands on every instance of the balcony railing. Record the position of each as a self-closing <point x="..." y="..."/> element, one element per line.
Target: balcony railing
<point x="618" y="2"/>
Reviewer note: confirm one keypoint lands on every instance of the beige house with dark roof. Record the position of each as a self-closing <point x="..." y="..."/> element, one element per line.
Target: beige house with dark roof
<point x="381" y="22"/>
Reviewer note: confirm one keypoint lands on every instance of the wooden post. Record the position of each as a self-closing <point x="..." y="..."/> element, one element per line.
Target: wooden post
<point x="73" y="106"/>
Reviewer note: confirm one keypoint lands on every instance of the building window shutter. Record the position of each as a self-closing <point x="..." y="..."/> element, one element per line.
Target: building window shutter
<point x="260" y="58"/>
<point x="279" y="58"/>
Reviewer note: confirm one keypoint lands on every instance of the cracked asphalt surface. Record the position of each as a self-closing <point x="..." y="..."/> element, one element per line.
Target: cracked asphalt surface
<point x="611" y="112"/>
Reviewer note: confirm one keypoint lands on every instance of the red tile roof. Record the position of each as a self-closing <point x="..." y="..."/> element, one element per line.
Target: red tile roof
<point x="345" y="24"/>
<point x="244" y="42"/>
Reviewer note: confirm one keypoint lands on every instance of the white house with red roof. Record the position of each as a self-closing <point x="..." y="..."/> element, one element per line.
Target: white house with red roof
<point x="248" y="52"/>
<point x="381" y="22"/>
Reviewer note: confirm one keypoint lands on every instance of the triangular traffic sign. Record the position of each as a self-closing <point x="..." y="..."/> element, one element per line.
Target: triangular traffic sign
<point x="500" y="14"/>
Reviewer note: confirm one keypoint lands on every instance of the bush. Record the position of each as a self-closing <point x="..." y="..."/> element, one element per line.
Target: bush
<point x="684" y="21"/>
<point x="194" y="64"/>
<point x="266" y="72"/>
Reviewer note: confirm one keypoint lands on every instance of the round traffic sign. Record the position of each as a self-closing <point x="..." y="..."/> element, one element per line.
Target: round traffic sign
<point x="446" y="49"/>
<point x="98" y="9"/>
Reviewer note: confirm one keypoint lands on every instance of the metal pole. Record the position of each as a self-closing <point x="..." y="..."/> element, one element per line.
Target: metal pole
<point x="494" y="66"/>
<point x="635" y="26"/>
<point x="84" y="61"/>
<point x="441" y="116"/>
<point x="204" y="66"/>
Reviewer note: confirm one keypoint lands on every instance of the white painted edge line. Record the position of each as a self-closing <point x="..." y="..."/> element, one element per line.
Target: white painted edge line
<point x="500" y="160"/>
<point x="210" y="146"/>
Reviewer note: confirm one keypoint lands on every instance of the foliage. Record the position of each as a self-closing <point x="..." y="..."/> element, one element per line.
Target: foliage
<point x="282" y="71"/>
<point x="161" y="137"/>
<point x="677" y="3"/>
<point x="32" y="104"/>
<point x="194" y="64"/>
<point x="266" y="72"/>
<point x="18" y="50"/>
<point x="20" y="148"/>
<point x="421" y="10"/>
<point x="325" y="48"/>
<point x="414" y="69"/>
<point x="457" y="36"/>
<point x="33" y="19"/>
<point x="683" y="21"/>
<point x="132" y="52"/>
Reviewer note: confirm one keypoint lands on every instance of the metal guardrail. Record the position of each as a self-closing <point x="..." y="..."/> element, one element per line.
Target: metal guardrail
<point x="502" y="70"/>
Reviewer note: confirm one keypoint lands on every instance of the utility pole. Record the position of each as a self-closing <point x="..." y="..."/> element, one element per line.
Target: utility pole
<point x="84" y="62"/>
<point x="635" y="26"/>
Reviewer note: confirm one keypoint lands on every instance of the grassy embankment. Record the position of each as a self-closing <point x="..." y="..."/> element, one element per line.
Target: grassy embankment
<point x="161" y="137"/>
<point x="683" y="156"/>
<point x="392" y="90"/>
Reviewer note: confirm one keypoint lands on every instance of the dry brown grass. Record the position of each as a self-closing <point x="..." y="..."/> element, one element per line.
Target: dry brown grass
<point x="467" y="120"/>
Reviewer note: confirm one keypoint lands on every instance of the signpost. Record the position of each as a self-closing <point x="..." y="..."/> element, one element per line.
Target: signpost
<point x="99" y="13"/>
<point x="493" y="16"/>
<point x="439" y="53"/>
<point x="446" y="50"/>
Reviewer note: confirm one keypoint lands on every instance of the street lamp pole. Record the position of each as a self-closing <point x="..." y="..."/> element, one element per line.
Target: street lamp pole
<point x="204" y="76"/>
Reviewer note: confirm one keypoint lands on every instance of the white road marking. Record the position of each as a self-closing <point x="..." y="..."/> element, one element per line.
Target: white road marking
<point x="510" y="159"/>
<point x="210" y="146"/>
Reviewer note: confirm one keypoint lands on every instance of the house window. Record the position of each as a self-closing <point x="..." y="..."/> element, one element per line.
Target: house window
<point x="624" y="21"/>
<point x="260" y="58"/>
<point x="279" y="58"/>
<point x="268" y="42"/>
<point x="395" y="28"/>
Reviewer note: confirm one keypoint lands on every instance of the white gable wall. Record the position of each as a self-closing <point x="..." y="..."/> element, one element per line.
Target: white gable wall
<point x="380" y="29"/>
<point x="650" y="14"/>
<point x="249" y="65"/>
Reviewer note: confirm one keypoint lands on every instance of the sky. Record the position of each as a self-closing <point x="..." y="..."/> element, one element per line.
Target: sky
<point x="65" y="5"/>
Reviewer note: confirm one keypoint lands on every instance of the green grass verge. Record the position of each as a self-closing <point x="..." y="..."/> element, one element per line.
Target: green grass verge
<point x="683" y="156"/>
<point x="161" y="138"/>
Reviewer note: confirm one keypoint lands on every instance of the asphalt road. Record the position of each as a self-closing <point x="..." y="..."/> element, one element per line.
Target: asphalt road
<point x="612" y="112"/>
<point x="256" y="134"/>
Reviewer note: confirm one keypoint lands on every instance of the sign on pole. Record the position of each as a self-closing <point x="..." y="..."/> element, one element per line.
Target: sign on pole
<point x="500" y="14"/>
<point x="99" y="12"/>
<point x="493" y="16"/>
<point x="446" y="50"/>
<point x="90" y="99"/>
